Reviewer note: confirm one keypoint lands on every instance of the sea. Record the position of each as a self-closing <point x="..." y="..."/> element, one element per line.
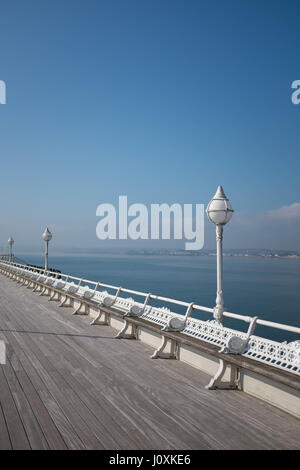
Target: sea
<point x="265" y="287"/>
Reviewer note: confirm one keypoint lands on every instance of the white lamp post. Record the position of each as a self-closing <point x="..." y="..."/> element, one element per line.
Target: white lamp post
<point x="10" y="244"/>
<point x="219" y="212"/>
<point x="46" y="237"/>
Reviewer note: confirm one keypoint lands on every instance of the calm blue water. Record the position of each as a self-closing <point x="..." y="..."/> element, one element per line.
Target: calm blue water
<point x="268" y="288"/>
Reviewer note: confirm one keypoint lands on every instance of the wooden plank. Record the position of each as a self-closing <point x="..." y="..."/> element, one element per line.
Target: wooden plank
<point x="5" y="443"/>
<point x="59" y="379"/>
<point x="33" y="431"/>
<point x="64" y="427"/>
<point x="79" y="435"/>
<point x="88" y="390"/>
<point x="162" y="433"/>
<point x="15" y="428"/>
<point x="48" y="427"/>
<point x="105" y="436"/>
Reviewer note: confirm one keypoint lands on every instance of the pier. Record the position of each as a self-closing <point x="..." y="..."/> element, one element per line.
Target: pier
<point x="68" y="384"/>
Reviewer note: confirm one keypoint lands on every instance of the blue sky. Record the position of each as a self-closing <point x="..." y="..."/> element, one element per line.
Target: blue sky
<point x="157" y="100"/>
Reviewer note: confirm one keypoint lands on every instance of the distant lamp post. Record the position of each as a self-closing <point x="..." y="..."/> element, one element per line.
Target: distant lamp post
<point x="47" y="235"/>
<point x="10" y="244"/>
<point x="219" y="212"/>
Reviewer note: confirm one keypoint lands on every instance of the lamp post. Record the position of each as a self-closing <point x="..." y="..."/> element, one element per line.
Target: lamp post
<point x="10" y="244"/>
<point x="46" y="237"/>
<point x="219" y="212"/>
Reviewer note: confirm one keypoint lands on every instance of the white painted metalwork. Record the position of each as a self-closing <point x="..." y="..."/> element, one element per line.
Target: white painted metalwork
<point x="217" y="382"/>
<point x="219" y="212"/>
<point x="159" y="352"/>
<point x="285" y="356"/>
<point x="10" y="244"/>
<point x="178" y="324"/>
<point x="238" y="345"/>
<point x="136" y="310"/>
<point x="47" y="236"/>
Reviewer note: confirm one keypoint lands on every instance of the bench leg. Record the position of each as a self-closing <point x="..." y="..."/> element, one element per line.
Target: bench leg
<point x="217" y="383"/>
<point x="84" y="312"/>
<point x="97" y="321"/>
<point x="77" y="309"/>
<point x="159" y="351"/>
<point x="43" y="291"/>
<point x="52" y="295"/>
<point x="63" y="301"/>
<point x="122" y="332"/>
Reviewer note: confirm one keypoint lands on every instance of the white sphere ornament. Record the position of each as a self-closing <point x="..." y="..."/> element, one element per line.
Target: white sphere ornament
<point x="219" y="210"/>
<point x="47" y="235"/>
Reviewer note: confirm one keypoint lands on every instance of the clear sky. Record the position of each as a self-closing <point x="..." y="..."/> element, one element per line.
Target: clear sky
<point x="158" y="100"/>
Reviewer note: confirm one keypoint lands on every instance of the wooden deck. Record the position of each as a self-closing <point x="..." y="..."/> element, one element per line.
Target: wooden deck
<point x="69" y="385"/>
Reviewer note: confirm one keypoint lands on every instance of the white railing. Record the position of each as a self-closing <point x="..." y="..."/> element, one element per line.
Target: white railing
<point x="282" y="355"/>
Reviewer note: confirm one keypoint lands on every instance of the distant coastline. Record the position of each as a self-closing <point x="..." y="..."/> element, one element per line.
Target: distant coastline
<point x="232" y="253"/>
<point x="239" y="253"/>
